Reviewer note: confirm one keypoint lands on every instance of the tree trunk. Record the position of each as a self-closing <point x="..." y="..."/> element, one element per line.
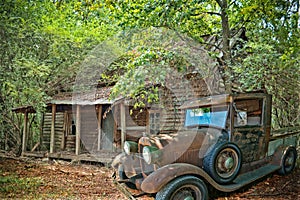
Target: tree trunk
<point x="226" y="45"/>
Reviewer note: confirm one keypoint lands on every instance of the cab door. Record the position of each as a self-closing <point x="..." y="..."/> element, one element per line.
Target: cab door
<point x="249" y="127"/>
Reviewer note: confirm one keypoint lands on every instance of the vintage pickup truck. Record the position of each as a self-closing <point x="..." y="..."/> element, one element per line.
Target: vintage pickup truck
<point x="225" y="143"/>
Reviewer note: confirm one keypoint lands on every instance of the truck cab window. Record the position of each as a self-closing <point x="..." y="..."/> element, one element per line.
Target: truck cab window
<point x="212" y="116"/>
<point x="248" y="112"/>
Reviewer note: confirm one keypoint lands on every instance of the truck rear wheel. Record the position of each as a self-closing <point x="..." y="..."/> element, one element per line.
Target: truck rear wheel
<point x="185" y="187"/>
<point x="288" y="161"/>
<point x="223" y="162"/>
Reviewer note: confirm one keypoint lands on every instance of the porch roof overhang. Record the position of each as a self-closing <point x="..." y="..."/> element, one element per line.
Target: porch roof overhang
<point x="104" y="101"/>
<point x="24" y="109"/>
<point x="82" y="102"/>
<point x="99" y="96"/>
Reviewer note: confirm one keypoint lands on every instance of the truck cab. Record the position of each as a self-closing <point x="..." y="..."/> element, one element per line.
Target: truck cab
<point x="225" y="142"/>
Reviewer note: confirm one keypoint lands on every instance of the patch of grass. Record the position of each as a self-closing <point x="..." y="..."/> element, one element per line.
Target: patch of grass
<point x="11" y="185"/>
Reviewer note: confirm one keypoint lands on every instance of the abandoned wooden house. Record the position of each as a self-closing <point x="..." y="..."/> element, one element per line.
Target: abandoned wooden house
<point x="93" y="128"/>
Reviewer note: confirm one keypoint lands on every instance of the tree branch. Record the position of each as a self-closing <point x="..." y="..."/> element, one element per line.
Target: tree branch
<point x="210" y="13"/>
<point x="220" y="3"/>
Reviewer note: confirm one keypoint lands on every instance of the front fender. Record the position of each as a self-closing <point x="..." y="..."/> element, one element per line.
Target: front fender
<point x="159" y="178"/>
<point x="118" y="160"/>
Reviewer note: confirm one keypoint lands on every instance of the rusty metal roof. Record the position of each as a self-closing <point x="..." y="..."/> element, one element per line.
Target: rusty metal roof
<point x="91" y="97"/>
<point x="95" y="96"/>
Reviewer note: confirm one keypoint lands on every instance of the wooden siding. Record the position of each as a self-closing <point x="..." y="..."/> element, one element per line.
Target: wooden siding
<point x="89" y="129"/>
<point x="174" y="95"/>
<point x="108" y="132"/>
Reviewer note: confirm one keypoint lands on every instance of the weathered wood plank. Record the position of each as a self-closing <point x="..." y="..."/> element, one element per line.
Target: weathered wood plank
<point x="25" y="132"/>
<point x="123" y="124"/>
<point x="52" y="139"/>
<point x="78" y="128"/>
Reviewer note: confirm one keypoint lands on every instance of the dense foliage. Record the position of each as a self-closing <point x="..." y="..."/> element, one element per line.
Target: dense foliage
<point x="264" y="57"/>
<point x="43" y="43"/>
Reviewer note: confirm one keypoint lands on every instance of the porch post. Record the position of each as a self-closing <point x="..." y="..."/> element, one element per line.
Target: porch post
<point x="123" y="124"/>
<point x="78" y="124"/>
<point x="25" y="132"/>
<point x="52" y="136"/>
<point x="99" y="126"/>
<point x="63" y="135"/>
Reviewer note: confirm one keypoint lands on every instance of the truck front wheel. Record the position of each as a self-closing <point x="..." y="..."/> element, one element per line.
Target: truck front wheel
<point x="223" y="162"/>
<point x="185" y="187"/>
<point x="288" y="161"/>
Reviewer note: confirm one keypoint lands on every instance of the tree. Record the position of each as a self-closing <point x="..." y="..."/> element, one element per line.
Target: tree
<point x="268" y="49"/>
<point x="270" y="59"/>
<point x="198" y="19"/>
<point x="42" y="44"/>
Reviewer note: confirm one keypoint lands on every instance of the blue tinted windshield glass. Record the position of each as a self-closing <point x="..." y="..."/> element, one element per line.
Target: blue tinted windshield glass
<point x="208" y="116"/>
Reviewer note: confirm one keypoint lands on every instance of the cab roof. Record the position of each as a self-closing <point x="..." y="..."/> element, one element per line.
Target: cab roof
<point x="220" y="99"/>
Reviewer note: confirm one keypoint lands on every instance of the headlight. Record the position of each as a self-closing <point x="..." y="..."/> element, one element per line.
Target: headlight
<point x="130" y="147"/>
<point x="151" y="154"/>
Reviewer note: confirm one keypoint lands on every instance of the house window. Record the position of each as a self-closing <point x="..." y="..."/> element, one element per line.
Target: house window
<point x="154" y="122"/>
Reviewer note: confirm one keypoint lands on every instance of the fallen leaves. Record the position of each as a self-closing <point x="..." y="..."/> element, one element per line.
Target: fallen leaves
<point x="61" y="179"/>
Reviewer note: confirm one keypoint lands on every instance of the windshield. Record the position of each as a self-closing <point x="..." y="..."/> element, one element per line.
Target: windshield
<point x="207" y="116"/>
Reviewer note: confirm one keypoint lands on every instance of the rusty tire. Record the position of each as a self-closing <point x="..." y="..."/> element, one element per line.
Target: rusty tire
<point x="185" y="187"/>
<point x="223" y="162"/>
<point x="288" y="161"/>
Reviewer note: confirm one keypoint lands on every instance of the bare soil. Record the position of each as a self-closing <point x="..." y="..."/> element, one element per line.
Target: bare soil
<point x="36" y="179"/>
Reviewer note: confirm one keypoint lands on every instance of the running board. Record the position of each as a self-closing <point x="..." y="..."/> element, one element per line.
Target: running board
<point x="247" y="178"/>
<point x="120" y="184"/>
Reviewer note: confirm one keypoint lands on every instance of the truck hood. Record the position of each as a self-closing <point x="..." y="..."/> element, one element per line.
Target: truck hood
<point x="189" y="146"/>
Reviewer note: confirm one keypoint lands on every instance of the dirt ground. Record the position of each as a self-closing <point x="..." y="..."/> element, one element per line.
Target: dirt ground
<point x="36" y="179"/>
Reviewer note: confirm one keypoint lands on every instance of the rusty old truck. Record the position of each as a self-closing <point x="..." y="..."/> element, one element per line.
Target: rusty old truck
<point x="226" y="142"/>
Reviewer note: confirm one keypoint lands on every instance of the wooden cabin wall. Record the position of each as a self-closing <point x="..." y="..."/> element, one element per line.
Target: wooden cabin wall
<point x="174" y="95"/>
<point x="117" y="133"/>
<point x="108" y="133"/>
<point x="59" y="130"/>
<point x="136" y="123"/>
<point x="170" y="117"/>
<point x="136" y="117"/>
<point x="89" y="128"/>
<point x="65" y="138"/>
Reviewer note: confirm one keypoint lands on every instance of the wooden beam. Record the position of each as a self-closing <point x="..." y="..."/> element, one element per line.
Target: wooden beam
<point x="99" y="126"/>
<point x="41" y="128"/>
<point x="25" y="132"/>
<point x="52" y="135"/>
<point x="65" y="127"/>
<point x="123" y="124"/>
<point x="78" y="124"/>
<point x="35" y="146"/>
